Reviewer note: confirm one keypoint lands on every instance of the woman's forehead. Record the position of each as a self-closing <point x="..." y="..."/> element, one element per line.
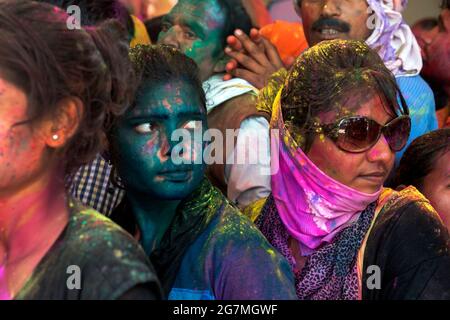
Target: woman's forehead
<point x="206" y="13"/>
<point x="169" y="98"/>
<point x="372" y="106"/>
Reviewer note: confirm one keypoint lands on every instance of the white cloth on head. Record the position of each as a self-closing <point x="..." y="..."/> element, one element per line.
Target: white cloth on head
<point x="218" y="91"/>
<point x="393" y="39"/>
<point x="247" y="182"/>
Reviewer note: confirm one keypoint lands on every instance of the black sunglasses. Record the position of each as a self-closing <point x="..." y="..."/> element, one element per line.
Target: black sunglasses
<point x="359" y="134"/>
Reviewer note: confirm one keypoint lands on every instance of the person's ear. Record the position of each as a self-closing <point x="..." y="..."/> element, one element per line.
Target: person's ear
<point x="64" y="123"/>
<point x="220" y="66"/>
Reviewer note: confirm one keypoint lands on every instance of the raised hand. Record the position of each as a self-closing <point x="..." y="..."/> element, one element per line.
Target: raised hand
<point x="254" y="58"/>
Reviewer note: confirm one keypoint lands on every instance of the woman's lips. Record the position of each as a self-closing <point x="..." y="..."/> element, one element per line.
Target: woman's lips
<point x="376" y="177"/>
<point x="176" y="175"/>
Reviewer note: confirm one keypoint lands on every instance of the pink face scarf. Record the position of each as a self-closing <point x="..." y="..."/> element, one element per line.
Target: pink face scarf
<point x="312" y="206"/>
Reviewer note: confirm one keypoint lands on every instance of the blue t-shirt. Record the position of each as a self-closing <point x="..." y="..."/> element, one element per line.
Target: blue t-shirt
<point x="420" y="101"/>
<point x="231" y="260"/>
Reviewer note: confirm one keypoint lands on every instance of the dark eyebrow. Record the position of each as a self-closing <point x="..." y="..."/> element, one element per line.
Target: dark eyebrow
<point x="146" y="115"/>
<point x="196" y="27"/>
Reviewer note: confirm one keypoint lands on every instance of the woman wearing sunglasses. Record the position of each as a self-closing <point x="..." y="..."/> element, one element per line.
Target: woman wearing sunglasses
<point x="336" y="125"/>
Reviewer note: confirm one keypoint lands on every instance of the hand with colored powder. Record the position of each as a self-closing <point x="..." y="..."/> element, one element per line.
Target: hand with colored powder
<point x="265" y="51"/>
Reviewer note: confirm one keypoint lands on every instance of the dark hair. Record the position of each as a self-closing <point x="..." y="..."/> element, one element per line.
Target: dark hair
<point x="94" y="12"/>
<point x="445" y="4"/>
<point x="421" y="156"/>
<point x="326" y="75"/>
<point x="440" y="96"/>
<point x="236" y="18"/>
<point x="427" y="23"/>
<point x="154" y="26"/>
<point x="49" y="62"/>
<point x="161" y="63"/>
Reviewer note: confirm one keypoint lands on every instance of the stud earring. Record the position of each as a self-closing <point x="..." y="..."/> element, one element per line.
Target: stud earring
<point x="55" y="137"/>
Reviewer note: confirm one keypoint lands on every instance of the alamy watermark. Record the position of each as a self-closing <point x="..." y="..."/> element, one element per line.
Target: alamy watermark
<point x="374" y="280"/>
<point x="372" y="22"/>
<point x="74" y="20"/>
<point x="236" y="147"/>
<point x="74" y="280"/>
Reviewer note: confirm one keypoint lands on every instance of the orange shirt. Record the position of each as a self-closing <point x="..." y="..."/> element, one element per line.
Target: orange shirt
<point x="288" y="37"/>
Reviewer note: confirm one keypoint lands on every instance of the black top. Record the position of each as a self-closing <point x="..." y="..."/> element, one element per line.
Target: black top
<point x="111" y="264"/>
<point x="411" y="247"/>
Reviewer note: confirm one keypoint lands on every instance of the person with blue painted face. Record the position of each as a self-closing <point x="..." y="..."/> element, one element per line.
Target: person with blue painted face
<point x="200" y="244"/>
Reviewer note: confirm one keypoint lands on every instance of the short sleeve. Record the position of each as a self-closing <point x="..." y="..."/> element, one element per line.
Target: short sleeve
<point x="117" y="271"/>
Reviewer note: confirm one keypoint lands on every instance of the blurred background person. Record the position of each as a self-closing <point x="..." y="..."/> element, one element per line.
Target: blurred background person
<point x="426" y="165"/>
<point x="435" y="45"/>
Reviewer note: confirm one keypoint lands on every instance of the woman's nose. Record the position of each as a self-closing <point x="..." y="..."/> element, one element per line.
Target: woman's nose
<point x="170" y="38"/>
<point x="381" y="151"/>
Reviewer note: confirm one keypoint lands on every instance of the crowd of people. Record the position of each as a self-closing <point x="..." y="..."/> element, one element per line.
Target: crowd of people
<point x="214" y="154"/>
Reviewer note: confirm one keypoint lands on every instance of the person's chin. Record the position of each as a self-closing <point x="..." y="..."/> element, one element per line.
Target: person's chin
<point x="177" y="185"/>
<point x="173" y="191"/>
<point x="370" y="184"/>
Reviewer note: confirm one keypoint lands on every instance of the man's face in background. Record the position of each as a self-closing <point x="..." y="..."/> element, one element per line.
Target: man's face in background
<point x="437" y="52"/>
<point x="334" y="19"/>
<point x="196" y="28"/>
